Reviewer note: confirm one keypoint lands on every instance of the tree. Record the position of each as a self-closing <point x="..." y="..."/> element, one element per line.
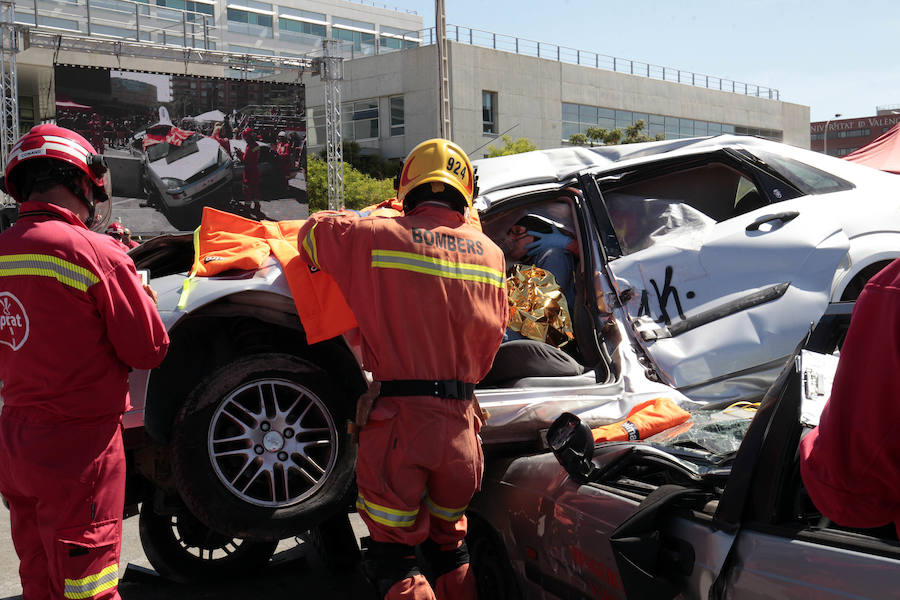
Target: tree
<point x="373" y="165"/>
<point x="600" y="136"/>
<point x="360" y="190"/>
<point x="511" y="147"/>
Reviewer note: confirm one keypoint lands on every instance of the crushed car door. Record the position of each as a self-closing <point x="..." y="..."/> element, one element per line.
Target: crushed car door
<point x="718" y="279"/>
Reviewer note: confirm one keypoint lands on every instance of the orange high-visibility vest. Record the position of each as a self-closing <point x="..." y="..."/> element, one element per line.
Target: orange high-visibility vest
<point x="226" y="241"/>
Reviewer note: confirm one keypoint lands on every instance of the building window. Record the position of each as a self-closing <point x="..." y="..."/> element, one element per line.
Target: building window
<point x="854" y="133"/>
<point x="489" y="112"/>
<point x="398" y="119"/>
<point x="250" y="50"/>
<point x="392" y="38"/>
<point x="252" y="18"/>
<point x="363" y="42"/>
<point x="301" y="26"/>
<point x="360" y="119"/>
<point x="189" y="5"/>
<point x="361" y="25"/>
<point x="577" y="118"/>
<point x="312" y="30"/>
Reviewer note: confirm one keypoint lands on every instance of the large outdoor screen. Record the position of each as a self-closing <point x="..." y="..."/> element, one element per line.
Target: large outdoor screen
<point x="177" y="143"/>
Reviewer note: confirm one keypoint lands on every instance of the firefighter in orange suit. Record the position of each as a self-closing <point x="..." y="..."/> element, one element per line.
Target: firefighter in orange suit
<point x="429" y="295"/>
<point x="74" y="318"/>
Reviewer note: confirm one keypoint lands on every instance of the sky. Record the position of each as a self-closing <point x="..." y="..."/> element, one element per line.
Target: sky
<point x="833" y="56"/>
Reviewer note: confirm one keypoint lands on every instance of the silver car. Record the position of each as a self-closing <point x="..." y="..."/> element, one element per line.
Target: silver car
<point x="241" y="431"/>
<point x="714" y="508"/>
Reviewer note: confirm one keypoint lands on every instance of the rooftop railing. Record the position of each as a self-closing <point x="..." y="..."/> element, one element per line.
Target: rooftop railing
<point x="383" y="5"/>
<point x="585" y="58"/>
<point x="143" y="22"/>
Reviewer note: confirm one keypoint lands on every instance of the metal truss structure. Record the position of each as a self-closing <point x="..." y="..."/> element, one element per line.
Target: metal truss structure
<point x="330" y="67"/>
<point x="9" y="83"/>
<point x="332" y="73"/>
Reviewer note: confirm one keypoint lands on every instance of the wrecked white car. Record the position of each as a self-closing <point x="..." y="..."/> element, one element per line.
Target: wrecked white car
<point x="737" y="248"/>
<point x="711" y="508"/>
<point x="183" y="171"/>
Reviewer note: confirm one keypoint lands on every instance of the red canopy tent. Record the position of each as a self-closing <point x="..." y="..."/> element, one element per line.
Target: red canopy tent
<point x="882" y="153"/>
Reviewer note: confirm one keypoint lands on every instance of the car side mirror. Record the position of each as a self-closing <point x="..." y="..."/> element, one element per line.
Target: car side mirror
<point x="573" y="446"/>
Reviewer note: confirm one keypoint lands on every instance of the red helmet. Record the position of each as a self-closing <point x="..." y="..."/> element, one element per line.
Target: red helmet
<point x="248" y="134"/>
<point x="115" y="228"/>
<point x="59" y="143"/>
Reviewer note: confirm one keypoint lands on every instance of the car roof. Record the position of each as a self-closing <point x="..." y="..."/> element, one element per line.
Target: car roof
<point x="559" y="165"/>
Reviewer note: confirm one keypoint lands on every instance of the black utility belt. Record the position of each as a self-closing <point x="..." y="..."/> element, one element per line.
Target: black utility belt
<point x="452" y="389"/>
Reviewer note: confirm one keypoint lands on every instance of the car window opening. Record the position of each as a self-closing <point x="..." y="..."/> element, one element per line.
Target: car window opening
<point x="680" y="207"/>
<point x="523" y="360"/>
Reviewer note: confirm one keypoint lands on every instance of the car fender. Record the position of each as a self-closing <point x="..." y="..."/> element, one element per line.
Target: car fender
<point x="260" y="296"/>
<point x="865" y="250"/>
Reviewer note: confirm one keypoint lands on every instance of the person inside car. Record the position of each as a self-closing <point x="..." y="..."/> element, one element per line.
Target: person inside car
<point x="540" y="257"/>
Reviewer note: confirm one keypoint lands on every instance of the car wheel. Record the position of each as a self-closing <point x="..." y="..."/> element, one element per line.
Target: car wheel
<point x="260" y="448"/>
<point x="494" y="576"/>
<point x="183" y="549"/>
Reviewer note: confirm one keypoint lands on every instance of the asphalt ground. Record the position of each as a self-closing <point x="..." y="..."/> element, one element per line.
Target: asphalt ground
<point x="295" y="571"/>
<point x="146" y="222"/>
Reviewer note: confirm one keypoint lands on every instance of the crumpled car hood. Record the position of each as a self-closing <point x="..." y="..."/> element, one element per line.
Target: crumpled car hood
<point x="207" y="155"/>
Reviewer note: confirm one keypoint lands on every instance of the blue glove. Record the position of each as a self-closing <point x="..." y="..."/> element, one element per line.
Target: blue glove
<point x="546" y="241"/>
<point x="359" y="213"/>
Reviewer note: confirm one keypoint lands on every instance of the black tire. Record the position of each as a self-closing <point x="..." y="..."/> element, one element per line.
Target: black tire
<point x="494" y="576"/>
<point x="183" y="549"/>
<point x="264" y="476"/>
<point x="855" y="287"/>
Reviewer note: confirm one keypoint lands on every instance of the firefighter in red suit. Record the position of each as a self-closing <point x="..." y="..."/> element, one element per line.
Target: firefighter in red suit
<point x="95" y="125"/>
<point x="74" y="318"/>
<point x="429" y="295"/>
<point x="283" y="150"/>
<point x="250" y="158"/>
<point x="850" y="463"/>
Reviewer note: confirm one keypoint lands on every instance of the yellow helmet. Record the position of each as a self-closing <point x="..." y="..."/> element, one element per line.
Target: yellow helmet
<point x="437" y="161"/>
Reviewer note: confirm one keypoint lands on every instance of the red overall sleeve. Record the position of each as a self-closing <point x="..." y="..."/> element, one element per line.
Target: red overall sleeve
<point x="133" y="325"/>
<point x="850" y="463"/>
<point x="326" y="240"/>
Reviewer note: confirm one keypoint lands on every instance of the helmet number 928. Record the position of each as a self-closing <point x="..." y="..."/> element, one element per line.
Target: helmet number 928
<point x="454" y="165"/>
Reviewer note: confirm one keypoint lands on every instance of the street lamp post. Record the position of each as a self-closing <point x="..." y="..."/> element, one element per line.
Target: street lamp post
<point x="825" y="134"/>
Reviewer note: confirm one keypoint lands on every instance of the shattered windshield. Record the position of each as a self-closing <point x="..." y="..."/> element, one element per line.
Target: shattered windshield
<point x="717" y="432"/>
<point x="187" y="147"/>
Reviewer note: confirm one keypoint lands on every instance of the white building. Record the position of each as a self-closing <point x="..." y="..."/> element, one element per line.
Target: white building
<point x="498" y="83"/>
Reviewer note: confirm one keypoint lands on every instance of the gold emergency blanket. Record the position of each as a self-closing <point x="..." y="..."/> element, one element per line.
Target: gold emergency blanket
<point x="537" y="307"/>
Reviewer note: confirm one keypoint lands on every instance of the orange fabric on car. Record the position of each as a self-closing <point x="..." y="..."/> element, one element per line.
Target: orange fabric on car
<point x="645" y="419"/>
<point x="226" y="241"/>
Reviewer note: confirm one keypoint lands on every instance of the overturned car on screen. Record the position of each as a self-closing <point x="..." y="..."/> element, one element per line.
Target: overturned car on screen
<point x="698" y="265"/>
<point x="183" y="171"/>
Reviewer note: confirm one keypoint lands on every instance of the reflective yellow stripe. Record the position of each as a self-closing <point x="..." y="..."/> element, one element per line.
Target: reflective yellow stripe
<point x="90" y="586"/>
<point x="191" y="281"/>
<point x="309" y="244"/>
<point x="389" y="517"/>
<point x="429" y="265"/>
<point x="42" y="265"/>
<point x="442" y="512"/>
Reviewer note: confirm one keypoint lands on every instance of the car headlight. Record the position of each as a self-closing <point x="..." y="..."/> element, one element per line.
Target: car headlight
<point x="171" y="183"/>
